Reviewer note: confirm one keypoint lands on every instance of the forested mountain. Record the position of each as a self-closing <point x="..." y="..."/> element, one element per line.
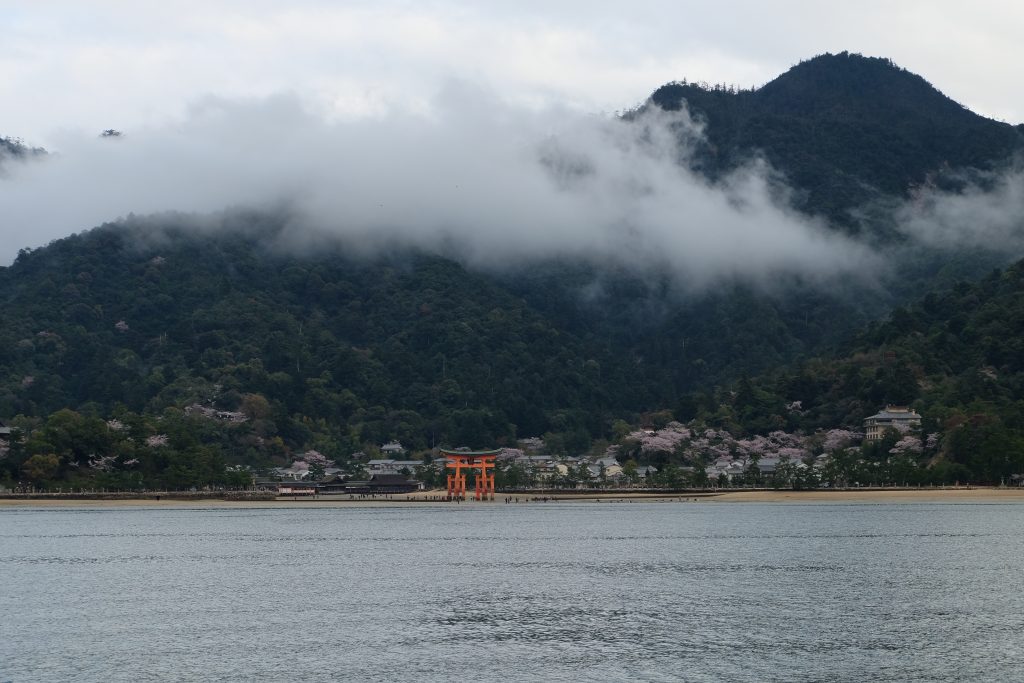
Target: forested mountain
<point x="956" y="355"/>
<point x="852" y="136"/>
<point x="406" y="346"/>
<point x="845" y="129"/>
<point x="138" y="321"/>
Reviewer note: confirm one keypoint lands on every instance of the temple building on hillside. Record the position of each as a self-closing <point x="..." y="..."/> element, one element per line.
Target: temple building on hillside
<point x="392" y="449"/>
<point x="901" y="418"/>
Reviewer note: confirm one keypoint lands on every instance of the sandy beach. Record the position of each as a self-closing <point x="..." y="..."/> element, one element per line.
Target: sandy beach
<point x="979" y="495"/>
<point x="959" y="495"/>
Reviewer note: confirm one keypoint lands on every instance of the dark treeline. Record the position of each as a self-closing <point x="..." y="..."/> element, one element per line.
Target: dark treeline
<point x="409" y="346"/>
<point x="955" y="355"/>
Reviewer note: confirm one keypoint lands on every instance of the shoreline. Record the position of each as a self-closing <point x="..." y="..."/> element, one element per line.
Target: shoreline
<point x="421" y="498"/>
<point x="979" y="494"/>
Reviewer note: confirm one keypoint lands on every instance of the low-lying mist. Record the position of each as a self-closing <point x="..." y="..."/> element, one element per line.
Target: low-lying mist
<point x="476" y="178"/>
<point x="492" y="183"/>
<point x="988" y="211"/>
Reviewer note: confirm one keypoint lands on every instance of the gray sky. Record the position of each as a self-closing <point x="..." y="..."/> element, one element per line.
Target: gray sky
<point x="101" y="64"/>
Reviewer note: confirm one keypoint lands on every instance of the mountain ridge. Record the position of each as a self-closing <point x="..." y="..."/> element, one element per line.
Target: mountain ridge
<point x="841" y="147"/>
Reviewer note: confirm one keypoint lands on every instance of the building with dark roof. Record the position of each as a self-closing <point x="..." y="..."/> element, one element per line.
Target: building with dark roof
<point x="383" y="483"/>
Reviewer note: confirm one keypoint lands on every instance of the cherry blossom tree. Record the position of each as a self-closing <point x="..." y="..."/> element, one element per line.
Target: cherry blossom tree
<point x="786" y="440"/>
<point x="906" y="446"/>
<point x="791" y="454"/>
<point x="507" y="454"/>
<point x="316" y="462"/>
<point x="312" y="457"/>
<point x="839" y="438"/>
<point x="663" y="440"/>
<point x="755" y="447"/>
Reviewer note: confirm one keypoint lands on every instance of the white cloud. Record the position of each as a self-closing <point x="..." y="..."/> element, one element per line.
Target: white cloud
<point x="496" y="182"/>
<point x="987" y="214"/>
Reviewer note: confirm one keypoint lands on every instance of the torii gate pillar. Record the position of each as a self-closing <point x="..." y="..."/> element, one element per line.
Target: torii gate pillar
<point x="482" y="462"/>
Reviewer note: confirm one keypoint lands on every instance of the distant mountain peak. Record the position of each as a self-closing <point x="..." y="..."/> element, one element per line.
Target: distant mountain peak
<point x="871" y="82"/>
<point x="844" y="128"/>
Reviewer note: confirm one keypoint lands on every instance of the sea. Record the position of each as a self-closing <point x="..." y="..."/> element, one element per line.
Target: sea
<point x="558" y="591"/>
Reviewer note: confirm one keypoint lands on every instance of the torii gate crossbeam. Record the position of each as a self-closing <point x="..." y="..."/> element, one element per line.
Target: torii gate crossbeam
<point x="483" y="481"/>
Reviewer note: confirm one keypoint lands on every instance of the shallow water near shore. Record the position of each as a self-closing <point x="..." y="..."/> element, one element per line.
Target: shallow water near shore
<point x="541" y="592"/>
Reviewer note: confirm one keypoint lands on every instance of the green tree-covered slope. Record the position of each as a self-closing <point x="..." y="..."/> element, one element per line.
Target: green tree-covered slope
<point x="408" y="346"/>
<point x="957" y="356"/>
<point x="845" y="129"/>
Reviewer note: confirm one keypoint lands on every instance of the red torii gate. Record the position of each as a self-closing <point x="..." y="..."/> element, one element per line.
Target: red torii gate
<point x="483" y="483"/>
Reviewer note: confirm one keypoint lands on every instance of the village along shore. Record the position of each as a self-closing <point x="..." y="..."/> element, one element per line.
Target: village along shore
<point x="244" y="499"/>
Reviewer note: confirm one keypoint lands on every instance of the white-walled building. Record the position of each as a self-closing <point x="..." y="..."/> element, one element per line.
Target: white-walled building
<point x="900" y="418"/>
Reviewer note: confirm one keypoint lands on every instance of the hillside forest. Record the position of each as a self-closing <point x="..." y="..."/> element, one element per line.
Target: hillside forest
<point x="158" y="352"/>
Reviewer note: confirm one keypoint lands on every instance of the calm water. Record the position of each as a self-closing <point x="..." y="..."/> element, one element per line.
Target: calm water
<point x="539" y="592"/>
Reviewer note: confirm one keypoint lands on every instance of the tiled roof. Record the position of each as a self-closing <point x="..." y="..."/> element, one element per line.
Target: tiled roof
<point x="895" y="415"/>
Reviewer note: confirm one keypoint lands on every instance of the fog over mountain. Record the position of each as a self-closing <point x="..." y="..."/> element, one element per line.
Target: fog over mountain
<point x="483" y="180"/>
<point x="493" y="182"/>
<point x="988" y="213"/>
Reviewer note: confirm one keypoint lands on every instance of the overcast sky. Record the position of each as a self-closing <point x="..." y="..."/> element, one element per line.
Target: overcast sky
<point x="102" y="64"/>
